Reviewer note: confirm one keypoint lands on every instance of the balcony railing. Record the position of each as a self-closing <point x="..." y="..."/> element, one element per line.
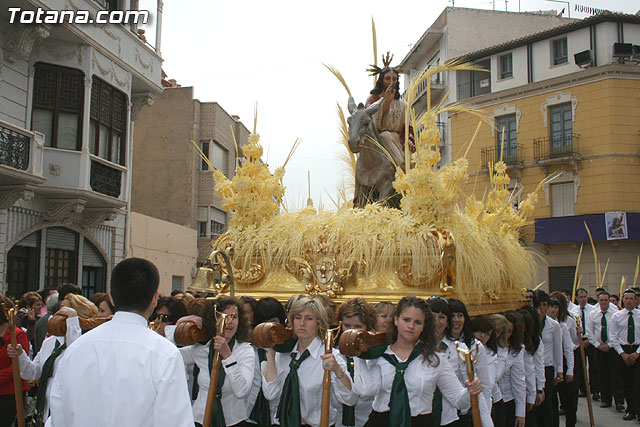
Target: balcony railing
<point x="474" y="88"/>
<point x="438" y="79"/>
<point x="512" y="155"/>
<point x="557" y="147"/>
<point x="14" y="148"/>
<point x="105" y="179"/>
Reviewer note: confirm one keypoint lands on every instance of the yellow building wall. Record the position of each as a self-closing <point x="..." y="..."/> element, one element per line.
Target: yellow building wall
<point x="607" y="121"/>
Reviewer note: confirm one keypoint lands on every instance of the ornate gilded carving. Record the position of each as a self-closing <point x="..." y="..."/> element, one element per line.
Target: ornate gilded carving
<point x="444" y="277"/>
<point x="321" y="269"/>
<point x="253" y="274"/>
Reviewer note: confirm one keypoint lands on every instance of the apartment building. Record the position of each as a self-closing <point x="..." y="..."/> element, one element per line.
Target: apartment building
<point x="449" y="37"/>
<point x="173" y="185"/>
<point x="567" y="100"/>
<point x="69" y="96"/>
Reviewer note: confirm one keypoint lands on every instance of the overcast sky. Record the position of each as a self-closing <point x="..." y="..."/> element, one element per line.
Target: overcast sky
<point x="271" y="52"/>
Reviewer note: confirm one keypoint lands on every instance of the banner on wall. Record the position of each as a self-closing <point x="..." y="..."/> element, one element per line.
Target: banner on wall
<point x="616" y="225"/>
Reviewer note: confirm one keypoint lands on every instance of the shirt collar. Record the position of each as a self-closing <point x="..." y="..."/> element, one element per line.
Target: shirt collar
<point x="129" y="317"/>
<point x="315" y="348"/>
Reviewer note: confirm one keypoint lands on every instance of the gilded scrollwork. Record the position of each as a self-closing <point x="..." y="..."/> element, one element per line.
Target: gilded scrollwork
<point x="444" y="277"/>
<point x="254" y="273"/>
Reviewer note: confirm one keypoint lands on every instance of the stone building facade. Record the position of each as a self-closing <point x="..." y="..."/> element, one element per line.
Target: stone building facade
<point x="171" y="182"/>
<point x="69" y="96"/>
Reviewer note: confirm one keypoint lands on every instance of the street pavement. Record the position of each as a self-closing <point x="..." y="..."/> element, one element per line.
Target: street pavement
<point x="603" y="417"/>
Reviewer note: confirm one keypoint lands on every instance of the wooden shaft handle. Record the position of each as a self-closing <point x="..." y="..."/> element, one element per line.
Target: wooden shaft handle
<point x="353" y="342"/>
<point x="268" y="334"/>
<point x="57" y="325"/>
<point x="211" y="395"/>
<point x="475" y="405"/>
<point x="188" y="333"/>
<point x="17" y="381"/>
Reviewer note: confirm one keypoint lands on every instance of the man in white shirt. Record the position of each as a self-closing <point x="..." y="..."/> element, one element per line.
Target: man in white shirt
<point x="547" y="413"/>
<point x="582" y="312"/>
<point x="625" y="330"/>
<point x="122" y="373"/>
<point x="599" y="330"/>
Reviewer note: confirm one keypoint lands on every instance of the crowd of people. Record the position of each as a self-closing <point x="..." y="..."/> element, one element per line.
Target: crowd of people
<point x="128" y="371"/>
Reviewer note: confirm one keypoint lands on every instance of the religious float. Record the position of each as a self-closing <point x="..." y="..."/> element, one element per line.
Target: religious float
<point x="436" y="241"/>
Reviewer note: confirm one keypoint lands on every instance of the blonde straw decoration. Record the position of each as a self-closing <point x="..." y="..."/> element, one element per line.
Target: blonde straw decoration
<point x="575" y="276"/>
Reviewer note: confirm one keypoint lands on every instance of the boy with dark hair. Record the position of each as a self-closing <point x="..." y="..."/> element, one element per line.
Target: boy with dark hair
<point x="123" y="365"/>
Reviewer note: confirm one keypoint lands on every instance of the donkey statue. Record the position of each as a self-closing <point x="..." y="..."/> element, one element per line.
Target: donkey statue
<point x="374" y="171"/>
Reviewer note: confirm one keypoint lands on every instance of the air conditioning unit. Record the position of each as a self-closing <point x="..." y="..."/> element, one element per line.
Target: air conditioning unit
<point x="584" y="59"/>
<point x="622" y="51"/>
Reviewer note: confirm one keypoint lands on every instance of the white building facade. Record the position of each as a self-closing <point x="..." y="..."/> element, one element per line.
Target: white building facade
<point x="450" y="37"/>
<point x="69" y="96"/>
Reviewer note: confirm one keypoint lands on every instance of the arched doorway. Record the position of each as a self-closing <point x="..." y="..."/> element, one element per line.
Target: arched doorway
<point x="52" y="256"/>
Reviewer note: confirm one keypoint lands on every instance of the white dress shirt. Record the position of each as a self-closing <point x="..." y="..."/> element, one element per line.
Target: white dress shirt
<point x="120" y="374"/>
<point x="552" y="338"/>
<point x="421" y="379"/>
<point x="538" y="362"/>
<point x="571" y="307"/>
<point x="255" y="389"/>
<point x="588" y="308"/>
<point x="239" y="369"/>
<point x="618" y="329"/>
<point x="567" y="348"/>
<point x="481" y="371"/>
<point x="530" y="376"/>
<point x="310" y="374"/>
<point x="512" y="384"/>
<point x="594" y="327"/>
<point x="31" y="370"/>
<point x="363" y="404"/>
<point x="572" y="326"/>
<point x="502" y="354"/>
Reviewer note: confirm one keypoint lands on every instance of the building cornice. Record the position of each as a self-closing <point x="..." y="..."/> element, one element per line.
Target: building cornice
<point x="582" y="77"/>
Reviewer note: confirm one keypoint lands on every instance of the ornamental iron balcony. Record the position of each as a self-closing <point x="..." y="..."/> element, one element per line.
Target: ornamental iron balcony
<point x="559" y="147"/>
<point x="14" y="148"/>
<point x="105" y="179"/>
<point x="512" y="156"/>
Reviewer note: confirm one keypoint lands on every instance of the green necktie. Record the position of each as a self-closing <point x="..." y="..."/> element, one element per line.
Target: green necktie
<point x="218" y="414"/>
<point x="584" y="322"/>
<point x="289" y="406"/>
<point x="47" y="372"/>
<point x="261" y="412"/>
<point x="603" y="332"/>
<point x="544" y="323"/>
<point x="400" y="411"/>
<point x="436" y="405"/>
<point x="631" y="329"/>
<point x="349" y="412"/>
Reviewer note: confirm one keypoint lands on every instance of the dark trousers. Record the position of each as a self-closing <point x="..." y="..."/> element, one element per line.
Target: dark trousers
<point x="530" y="418"/>
<point x="568" y="393"/>
<point x="497" y="414"/>
<point x="594" y="379"/>
<point x="510" y="413"/>
<point x="381" y="419"/>
<point x="609" y="375"/>
<point x="631" y="381"/>
<point x="240" y="424"/>
<point x="544" y="413"/>
<point x="8" y="409"/>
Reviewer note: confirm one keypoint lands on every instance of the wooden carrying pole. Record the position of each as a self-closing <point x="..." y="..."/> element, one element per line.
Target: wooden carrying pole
<point x="223" y="318"/>
<point x="468" y="358"/>
<point x="585" y="373"/>
<point x="329" y="338"/>
<point x="15" y="363"/>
